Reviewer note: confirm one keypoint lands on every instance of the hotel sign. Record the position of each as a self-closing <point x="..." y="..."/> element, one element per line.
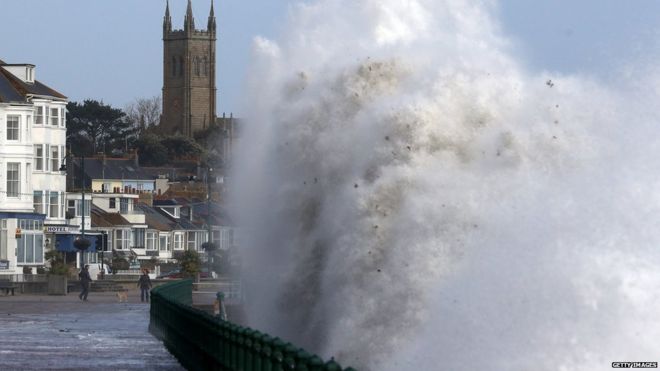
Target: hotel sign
<point x="57" y="229"/>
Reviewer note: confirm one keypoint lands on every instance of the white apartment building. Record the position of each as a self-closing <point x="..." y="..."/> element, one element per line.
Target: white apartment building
<point x="32" y="187"/>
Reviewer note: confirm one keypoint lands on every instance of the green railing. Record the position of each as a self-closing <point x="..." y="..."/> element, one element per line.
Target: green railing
<point x="203" y="342"/>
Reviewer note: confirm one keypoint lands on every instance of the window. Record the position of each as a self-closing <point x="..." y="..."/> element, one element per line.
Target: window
<point x="13" y="127"/>
<point x="178" y="241"/>
<point x="39" y="116"/>
<point x="62" y="203"/>
<point x="63" y="117"/>
<point x="55" y="116"/>
<point x="54" y="205"/>
<point x="71" y="208"/>
<point x="28" y="176"/>
<point x="197" y="66"/>
<point x="206" y="66"/>
<point x="191" y="241"/>
<point x="30" y="247"/>
<point x="88" y="206"/>
<point x="13" y="179"/>
<point x="47" y="157"/>
<point x="38" y="157"/>
<point x="138" y="238"/>
<point x="123" y="205"/>
<point x="225" y="238"/>
<point x="55" y="158"/>
<point x="3" y="239"/>
<point x="90" y="258"/>
<point x="105" y="188"/>
<point x="151" y="241"/>
<point x="122" y="239"/>
<point x="38" y="200"/>
<point x="164" y="243"/>
<point x="113" y="203"/>
<point x="180" y="66"/>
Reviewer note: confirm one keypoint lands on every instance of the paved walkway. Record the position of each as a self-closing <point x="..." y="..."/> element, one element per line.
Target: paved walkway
<point x="64" y="333"/>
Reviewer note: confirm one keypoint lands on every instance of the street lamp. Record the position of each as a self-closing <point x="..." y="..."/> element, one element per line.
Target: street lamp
<point x="209" y="246"/>
<point x="80" y="243"/>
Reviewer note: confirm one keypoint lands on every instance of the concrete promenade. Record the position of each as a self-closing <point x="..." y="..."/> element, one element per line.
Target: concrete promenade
<point x="64" y="333"/>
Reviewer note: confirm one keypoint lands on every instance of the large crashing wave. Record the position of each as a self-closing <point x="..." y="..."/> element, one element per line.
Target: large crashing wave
<point x="416" y="200"/>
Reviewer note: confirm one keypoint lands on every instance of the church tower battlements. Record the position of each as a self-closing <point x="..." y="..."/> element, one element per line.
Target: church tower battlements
<point x="189" y="89"/>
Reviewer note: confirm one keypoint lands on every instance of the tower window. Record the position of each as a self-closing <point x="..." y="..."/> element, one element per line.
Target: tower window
<point x="206" y="66"/>
<point x="180" y="66"/>
<point x="197" y="66"/>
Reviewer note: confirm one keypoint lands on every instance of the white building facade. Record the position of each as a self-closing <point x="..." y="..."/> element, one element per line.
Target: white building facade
<point x="32" y="187"/>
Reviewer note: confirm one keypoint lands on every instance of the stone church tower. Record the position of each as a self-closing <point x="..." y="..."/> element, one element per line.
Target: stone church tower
<point x="188" y="75"/>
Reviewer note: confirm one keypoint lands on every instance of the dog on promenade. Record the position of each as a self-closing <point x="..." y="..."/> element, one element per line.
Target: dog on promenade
<point x="122" y="296"/>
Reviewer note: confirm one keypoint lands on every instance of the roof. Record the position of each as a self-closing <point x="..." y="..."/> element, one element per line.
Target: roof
<point x="8" y="94"/>
<point x="160" y="220"/>
<point x="176" y="170"/>
<point x="112" y="168"/>
<point x="101" y="218"/>
<point x="219" y="215"/>
<point x="168" y="202"/>
<point x="156" y="220"/>
<point x="13" y="89"/>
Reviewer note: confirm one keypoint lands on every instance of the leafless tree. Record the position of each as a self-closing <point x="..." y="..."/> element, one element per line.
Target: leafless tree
<point x="144" y="113"/>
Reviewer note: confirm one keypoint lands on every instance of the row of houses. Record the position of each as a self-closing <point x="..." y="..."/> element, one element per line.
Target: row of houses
<point x="126" y="210"/>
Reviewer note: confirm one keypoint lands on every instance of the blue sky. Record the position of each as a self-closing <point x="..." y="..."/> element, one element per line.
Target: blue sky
<point x="111" y="49"/>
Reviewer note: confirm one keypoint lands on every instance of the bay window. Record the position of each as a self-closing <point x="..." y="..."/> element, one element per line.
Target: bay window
<point x="54" y="205"/>
<point x="55" y="158"/>
<point x="39" y="157"/>
<point x="122" y="239"/>
<point x="55" y="116"/>
<point x="13" y="127"/>
<point x="40" y="116"/>
<point x="151" y="241"/>
<point x="178" y="241"/>
<point x="13" y="179"/>
<point x="38" y="200"/>
<point x="30" y="247"/>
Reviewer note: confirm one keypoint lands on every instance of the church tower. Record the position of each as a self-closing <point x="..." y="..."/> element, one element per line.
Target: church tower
<point x="188" y="75"/>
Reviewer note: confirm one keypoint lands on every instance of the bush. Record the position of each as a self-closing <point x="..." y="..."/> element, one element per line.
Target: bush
<point x="119" y="264"/>
<point x="190" y="263"/>
<point x="27" y="270"/>
<point x="57" y="265"/>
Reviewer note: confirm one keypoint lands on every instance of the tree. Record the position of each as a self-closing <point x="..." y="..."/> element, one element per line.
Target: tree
<point x="144" y="113"/>
<point x="211" y="140"/>
<point x="104" y="127"/>
<point x="179" y="147"/>
<point x="152" y="151"/>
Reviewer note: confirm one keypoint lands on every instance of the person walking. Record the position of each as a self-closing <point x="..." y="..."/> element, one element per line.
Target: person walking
<point x="85" y="281"/>
<point x="144" y="283"/>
